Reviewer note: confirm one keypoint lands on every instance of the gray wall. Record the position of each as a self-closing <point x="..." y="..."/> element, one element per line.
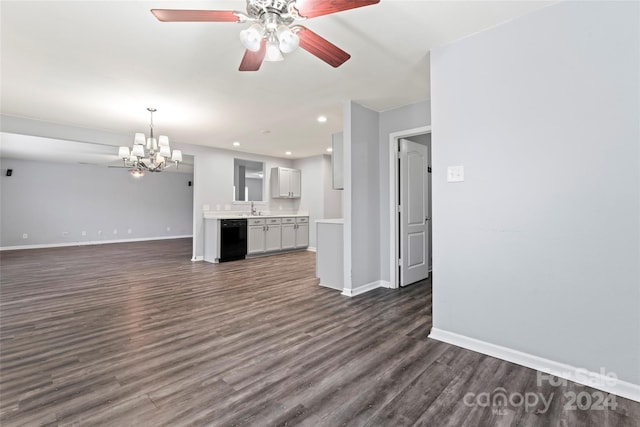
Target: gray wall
<point x="46" y="200"/>
<point x="332" y="198"/>
<point x="362" y="216"/>
<point x="539" y="249"/>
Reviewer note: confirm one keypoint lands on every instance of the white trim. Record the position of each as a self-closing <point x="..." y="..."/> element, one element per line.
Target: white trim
<point x="579" y="375"/>
<point x="87" y="243"/>
<point x="311" y="249"/>
<point x="365" y="288"/>
<point x="393" y="196"/>
<point x="346" y="194"/>
<point x="197" y="258"/>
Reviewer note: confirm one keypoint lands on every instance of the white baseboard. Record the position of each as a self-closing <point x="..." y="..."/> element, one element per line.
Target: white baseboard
<point x="87" y="243"/>
<point x="311" y="249"/>
<point x="597" y="380"/>
<point x="197" y="258"/>
<point x="365" y="288"/>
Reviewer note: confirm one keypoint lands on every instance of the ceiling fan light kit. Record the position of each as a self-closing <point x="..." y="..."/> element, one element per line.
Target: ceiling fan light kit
<point x="271" y="33"/>
<point x="156" y="156"/>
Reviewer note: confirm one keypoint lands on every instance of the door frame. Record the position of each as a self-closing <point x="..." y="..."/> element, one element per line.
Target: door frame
<point x="394" y="243"/>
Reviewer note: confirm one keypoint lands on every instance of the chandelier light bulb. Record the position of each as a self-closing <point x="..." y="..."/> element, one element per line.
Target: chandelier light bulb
<point x="273" y="53"/>
<point x="288" y="40"/>
<point x="176" y="156"/>
<point x="252" y="37"/>
<point x="123" y="152"/>
<point x="138" y="150"/>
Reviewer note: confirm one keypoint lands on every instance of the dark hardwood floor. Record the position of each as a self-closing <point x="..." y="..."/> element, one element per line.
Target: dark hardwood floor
<point x="137" y="334"/>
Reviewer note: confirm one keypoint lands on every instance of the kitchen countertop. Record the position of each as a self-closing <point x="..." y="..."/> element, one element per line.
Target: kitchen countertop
<point x="330" y="221"/>
<point x="218" y="215"/>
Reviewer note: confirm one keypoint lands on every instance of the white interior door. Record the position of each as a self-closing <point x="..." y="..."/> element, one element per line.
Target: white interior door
<point x="414" y="196"/>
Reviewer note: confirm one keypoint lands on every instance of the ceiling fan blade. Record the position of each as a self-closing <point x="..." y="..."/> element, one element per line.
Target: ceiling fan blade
<point x="313" y="8"/>
<point x="320" y="47"/>
<point x="177" y="15"/>
<point x="251" y="61"/>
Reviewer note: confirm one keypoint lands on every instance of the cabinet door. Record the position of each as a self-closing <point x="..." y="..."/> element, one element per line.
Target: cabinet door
<point x="302" y="235"/>
<point x="285" y="182"/>
<point x="255" y="239"/>
<point x="280" y="182"/>
<point x="273" y="238"/>
<point x="294" y="183"/>
<point x="288" y="236"/>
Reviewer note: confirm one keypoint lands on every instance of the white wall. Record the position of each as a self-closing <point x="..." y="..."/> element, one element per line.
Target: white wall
<point x="317" y="196"/>
<point x="311" y="199"/>
<point x="538" y="250"/>
<point x="46" y="200"/>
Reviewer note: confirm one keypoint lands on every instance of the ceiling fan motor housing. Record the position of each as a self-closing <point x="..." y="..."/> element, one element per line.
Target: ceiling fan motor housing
<point x="257" y="8"/>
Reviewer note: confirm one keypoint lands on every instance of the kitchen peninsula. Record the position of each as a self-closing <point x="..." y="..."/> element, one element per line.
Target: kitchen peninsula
<point x="262" y="234"/>
<point x="330" y="253"/>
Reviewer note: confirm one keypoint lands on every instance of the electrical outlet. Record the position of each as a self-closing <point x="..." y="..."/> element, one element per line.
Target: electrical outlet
<point x="65" y="233"/>
<point x="115" y="231"/>
<point x="168" y="228"/>
<point x="129" y="231"/>
<point x="84" y="233"/>
<point x="99" y="232"/>
<point x="25" y="236"/>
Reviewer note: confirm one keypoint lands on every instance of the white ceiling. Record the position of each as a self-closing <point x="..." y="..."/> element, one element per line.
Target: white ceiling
<point x="100" y="64"/>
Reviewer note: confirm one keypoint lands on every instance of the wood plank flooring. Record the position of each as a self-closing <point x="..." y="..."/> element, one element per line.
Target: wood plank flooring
<point x="137" y="334"/>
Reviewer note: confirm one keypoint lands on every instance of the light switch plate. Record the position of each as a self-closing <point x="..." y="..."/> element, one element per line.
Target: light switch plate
<point x="455" y="173"/>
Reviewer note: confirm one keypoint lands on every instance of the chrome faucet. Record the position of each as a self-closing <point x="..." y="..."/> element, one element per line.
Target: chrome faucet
<point x="253" y="210"/>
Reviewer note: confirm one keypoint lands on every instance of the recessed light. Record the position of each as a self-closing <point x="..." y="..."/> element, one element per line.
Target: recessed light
<point x="329" y="149"/>
<point x="322" y="119"/>
<point x="288" y="153"/>
<point x="236" y="144"/>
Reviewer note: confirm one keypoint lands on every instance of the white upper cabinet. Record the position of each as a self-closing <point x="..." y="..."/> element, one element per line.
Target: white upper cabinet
<point x="285" y="183"/>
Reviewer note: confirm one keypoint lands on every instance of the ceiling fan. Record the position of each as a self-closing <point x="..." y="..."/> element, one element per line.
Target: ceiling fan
<point x="272" y="33"/>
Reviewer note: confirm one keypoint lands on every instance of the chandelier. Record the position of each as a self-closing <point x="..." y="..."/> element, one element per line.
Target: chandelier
<point x="149" y="154"/>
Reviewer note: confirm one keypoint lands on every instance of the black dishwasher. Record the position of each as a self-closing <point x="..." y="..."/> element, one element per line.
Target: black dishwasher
<point x="233" y="239"/>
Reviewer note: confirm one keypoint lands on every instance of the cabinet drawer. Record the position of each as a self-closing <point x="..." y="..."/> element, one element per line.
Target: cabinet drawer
<point x="302" y="219"/>
<point x="288" y="220"/>
<point x="273" y="220"/>
<point x="255" y="221"/>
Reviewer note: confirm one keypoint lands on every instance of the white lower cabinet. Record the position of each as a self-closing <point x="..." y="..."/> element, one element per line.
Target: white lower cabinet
<point x="295" y="232"/>
<point x="288" y="233"/>
<point x="263" y="235"/>
<point x="302" y="232"/>
<point x="273" y="236"/>
<point x="255" y="235"/>
<point x="276" y="234"/>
